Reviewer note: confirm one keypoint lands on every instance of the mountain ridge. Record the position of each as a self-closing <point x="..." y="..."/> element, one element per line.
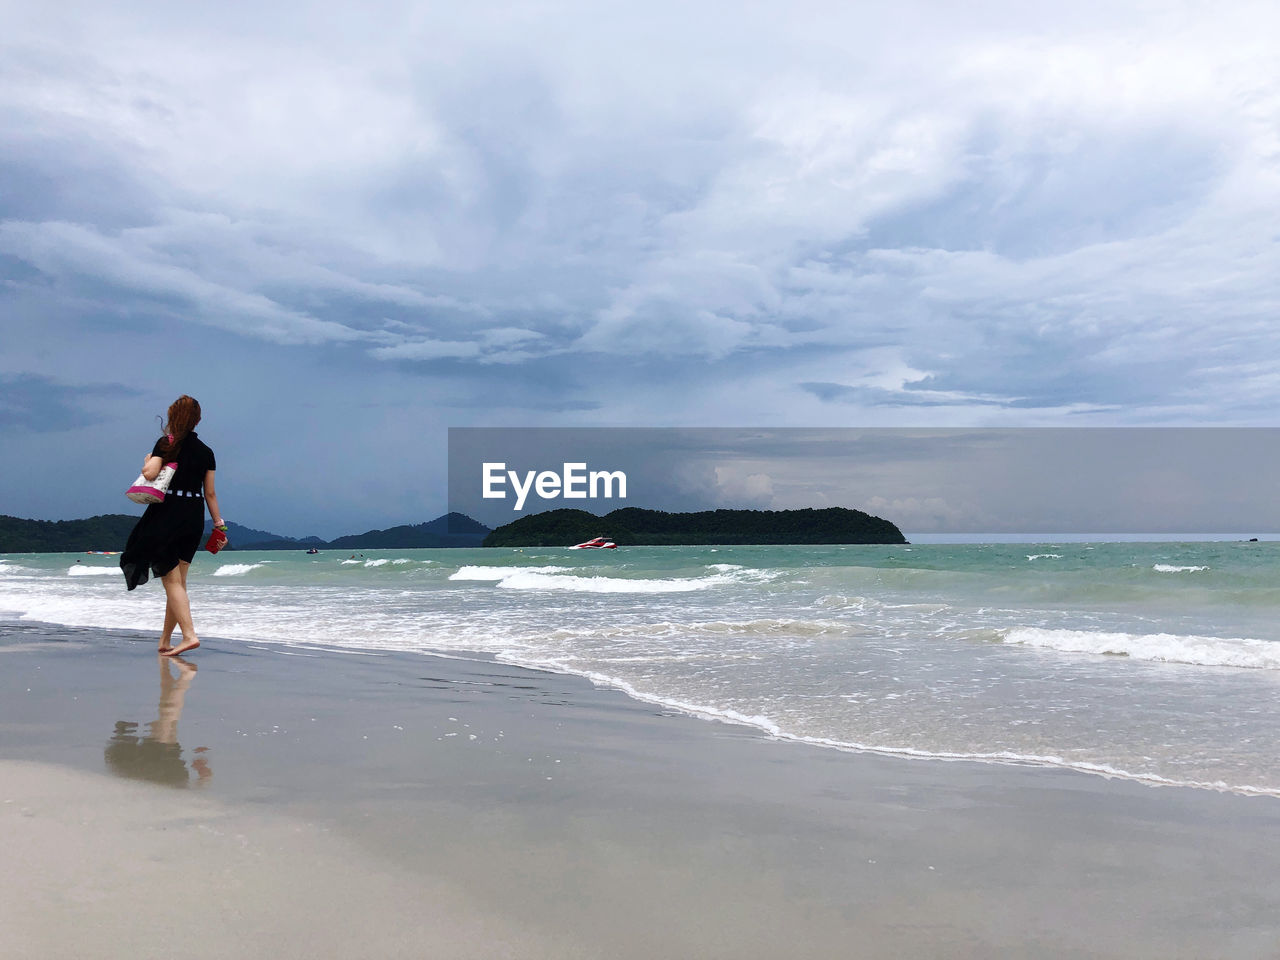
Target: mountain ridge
<point x="110" y="531"/>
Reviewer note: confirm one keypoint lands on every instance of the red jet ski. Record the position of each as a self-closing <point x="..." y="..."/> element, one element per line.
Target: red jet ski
<point x="599" y="543"/>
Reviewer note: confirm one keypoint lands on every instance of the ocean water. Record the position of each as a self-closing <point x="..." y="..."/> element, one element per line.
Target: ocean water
<point x="1153" y="661"/>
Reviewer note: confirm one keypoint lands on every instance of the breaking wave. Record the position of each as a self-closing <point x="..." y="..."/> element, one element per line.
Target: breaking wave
<point x="498" y="573"/>
<point x="1157" y="647"/>
<point x="528" y="580"/>
<point x="83" y="571"/>
<point x="235" y="569"/>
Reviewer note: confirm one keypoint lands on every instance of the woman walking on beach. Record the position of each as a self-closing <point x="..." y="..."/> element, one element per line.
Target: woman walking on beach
<point x="166" y="538"/>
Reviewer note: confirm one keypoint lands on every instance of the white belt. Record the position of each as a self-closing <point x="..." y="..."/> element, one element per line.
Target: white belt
<point x="184" y="493"/>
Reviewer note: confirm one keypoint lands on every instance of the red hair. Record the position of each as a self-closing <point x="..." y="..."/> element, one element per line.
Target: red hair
<point x="184" y="414"/>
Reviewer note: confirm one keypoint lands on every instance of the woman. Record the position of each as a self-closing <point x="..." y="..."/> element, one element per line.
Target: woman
<point x="167" y="537"/>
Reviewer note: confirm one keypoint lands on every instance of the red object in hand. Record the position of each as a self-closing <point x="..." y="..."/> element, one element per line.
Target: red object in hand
<point x="217" y="540"/>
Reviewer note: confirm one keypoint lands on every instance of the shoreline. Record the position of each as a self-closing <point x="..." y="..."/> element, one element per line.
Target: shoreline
<point x="762" y="727"/>
<point x="558" y="818"/>
<point x="768" y="730"/>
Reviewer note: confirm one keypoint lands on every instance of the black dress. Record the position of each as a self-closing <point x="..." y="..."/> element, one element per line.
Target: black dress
<point x="170" y="530"/>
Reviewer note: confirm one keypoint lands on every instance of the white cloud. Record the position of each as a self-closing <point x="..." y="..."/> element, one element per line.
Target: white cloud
<point x="1005" y="206"/>
<point x="741" y="490"/>
<point x="425" y="350"/>
<point x="68" y="251"/>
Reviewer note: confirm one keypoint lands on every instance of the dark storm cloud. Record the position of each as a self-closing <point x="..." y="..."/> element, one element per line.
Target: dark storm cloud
<point x="1029" y="192"/>
<point x="33" y="403"/>
<point x="825" y="214"/>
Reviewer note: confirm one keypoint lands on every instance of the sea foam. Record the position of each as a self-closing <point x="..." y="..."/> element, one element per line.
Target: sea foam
<point x="83" y="571"/>
<point x="564" y="578"/>
<point x="499" y="573"/>
<point x="235" y="569"/>
<point x="555" y="578"/>
<point x="1158" y="647"/>
<point x="1170" y="568"/>
<point x="773" y="728"/>
<point x="527" y="580"/>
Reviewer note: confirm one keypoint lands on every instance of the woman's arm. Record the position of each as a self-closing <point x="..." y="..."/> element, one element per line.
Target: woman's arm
<point x="151" y="467"/>
<point x="211" y="498"/>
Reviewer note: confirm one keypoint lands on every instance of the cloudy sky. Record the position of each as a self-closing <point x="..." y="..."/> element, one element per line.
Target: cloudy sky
<point x="927" y="480"/>
<point x="346" y="228"/>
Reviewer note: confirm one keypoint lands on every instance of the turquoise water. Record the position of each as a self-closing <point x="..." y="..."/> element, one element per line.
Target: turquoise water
<point x="1155" y="661"/>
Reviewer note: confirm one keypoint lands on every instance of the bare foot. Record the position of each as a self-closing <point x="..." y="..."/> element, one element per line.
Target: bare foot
<point x="165" y="647"/>
<point x="185" y="648"/>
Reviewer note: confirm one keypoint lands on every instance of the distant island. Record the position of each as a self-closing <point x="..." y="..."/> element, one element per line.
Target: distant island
<point x="633" y="525"/>
<point x="451" y="530"/>
<point x="554" y="528"/>
<point x="109" y="532"/>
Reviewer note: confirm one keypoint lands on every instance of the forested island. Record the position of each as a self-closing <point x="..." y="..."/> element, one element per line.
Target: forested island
<point x="554" y="528"/>
<point x="636" y="526"/>
<point x="106" y="532"/>
<point x="451" y="530"/>
<point x="109" y="532"/>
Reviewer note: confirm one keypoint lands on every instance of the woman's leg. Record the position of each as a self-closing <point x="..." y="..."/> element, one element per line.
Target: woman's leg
<point x="175" y="590"/>
<point x="170" y="621"/>
<point x="170" y="617"/>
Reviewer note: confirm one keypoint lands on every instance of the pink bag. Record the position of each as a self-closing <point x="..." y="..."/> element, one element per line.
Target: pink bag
<point x="152" y="491"/>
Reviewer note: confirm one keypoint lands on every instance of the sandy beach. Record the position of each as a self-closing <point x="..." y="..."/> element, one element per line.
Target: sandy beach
<point x="332" y="804"/>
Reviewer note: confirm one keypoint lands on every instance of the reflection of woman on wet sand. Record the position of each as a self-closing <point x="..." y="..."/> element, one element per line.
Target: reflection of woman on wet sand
<point x="158" y="756"/>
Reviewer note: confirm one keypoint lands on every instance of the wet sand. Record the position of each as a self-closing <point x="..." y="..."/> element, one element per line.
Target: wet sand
<point x="313" y="803"/>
